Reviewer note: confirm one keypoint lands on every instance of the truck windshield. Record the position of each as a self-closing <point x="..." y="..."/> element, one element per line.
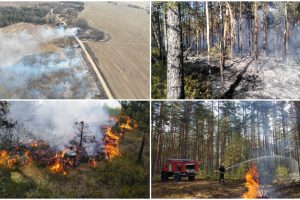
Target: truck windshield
<point x="190" y="166"/>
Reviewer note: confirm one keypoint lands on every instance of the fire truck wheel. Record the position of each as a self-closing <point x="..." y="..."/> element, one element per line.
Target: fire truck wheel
<point x="191" y="178"/>
<point x="164" y="176"/>
<point x="177" y="177"/>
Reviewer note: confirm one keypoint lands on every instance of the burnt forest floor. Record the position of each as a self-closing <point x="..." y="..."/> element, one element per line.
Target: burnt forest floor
<point x="244" y="78"/>
<point x="205" y="188"/>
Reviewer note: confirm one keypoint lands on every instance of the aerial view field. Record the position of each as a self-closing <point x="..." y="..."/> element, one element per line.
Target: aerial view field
<point x="51" y="50"/>
<point x="74" y="149"/>
<point x="125" y="58"/>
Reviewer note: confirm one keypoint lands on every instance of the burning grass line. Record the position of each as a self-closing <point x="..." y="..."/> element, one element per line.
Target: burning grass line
<point x="63" y="162"/>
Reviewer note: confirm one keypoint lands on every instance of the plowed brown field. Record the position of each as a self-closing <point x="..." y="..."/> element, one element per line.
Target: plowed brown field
<point x="124" y="60"/>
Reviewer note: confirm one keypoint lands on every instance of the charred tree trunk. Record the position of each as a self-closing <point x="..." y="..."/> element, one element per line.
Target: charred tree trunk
<point x="232" y="34"/>
<point x="207" y="34"/>
<point x="249" y="18"/>
<point x="140" y="157"/>
<point x="265" y="28"/>
<point x="240" y="31"/>
<point x="197" y="27"/>
<point x="255" y="46"/>
<point x="224" y="48"/>
<point x="175" y="87"/>
<point x="286" y="28"/>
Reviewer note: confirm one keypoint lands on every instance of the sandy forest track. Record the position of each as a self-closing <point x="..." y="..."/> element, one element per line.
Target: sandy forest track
<point x="124" y="60"/>
<point x="202" y="188"/>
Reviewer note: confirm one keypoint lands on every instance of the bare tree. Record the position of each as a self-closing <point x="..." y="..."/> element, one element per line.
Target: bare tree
<point x="286" y="32"/>
<point x="83" y="130"/>
<point x="207" y="32"/>
<point x="265" y="27"/>
<point x="255" y="46"/>
<point x="240" y="30"/>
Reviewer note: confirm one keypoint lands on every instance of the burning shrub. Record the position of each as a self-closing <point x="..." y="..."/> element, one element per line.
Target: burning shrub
<point x="253" y="185"/>
<point x="111" y="144"/>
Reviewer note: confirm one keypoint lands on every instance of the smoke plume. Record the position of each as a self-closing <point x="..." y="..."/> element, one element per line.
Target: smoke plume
<point x="42" y="64"/>
<point x="53" y="121"/>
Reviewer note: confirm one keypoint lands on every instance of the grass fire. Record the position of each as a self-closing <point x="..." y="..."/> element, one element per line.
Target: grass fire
<point x="88" y="141"/>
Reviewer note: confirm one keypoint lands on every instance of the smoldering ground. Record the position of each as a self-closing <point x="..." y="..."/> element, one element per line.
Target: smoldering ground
<point x="43" y="63"/>
<point x="275" y="74"/>
<point x="53" y="121"/>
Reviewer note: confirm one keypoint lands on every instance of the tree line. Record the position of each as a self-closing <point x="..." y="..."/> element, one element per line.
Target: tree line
<point x="229" y="132"/>
<point x="11" y="15"/>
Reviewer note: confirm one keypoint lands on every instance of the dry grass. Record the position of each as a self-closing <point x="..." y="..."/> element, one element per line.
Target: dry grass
<point x="124" y="60"/>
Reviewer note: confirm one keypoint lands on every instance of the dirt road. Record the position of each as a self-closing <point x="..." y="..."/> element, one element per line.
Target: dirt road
<point x="124" y="60"/>
<point x="197" y="189"/>
<point x="91" y="61"/>
<point x="213" y="189"/>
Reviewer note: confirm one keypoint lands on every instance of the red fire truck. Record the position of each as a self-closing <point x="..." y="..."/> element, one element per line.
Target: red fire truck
<point x="178" y="168"/>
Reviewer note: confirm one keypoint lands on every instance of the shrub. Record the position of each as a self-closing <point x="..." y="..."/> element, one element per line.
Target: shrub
<point x="281" y="173"/>
<point x="159" y="80"/>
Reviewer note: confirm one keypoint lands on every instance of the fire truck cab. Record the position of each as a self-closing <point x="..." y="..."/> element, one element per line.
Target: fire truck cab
<point x="178" y="168"/>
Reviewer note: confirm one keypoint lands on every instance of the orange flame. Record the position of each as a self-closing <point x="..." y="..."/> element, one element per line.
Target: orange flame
<point x="111" y="144"/>
<point x="6" y="160"/>
<point x="28" y="158"/>
<point x="128" y="124"/>
<point x="34" y="144"/>
<point x="252" y="184"/>
<point x="58" y="167"/>
<point x="92" y="162"/>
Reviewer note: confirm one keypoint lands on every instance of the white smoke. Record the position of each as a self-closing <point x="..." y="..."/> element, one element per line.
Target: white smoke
<point x="15" y="45"/>
<point x="53" y="121"/>
<point x="55" y="33"/>
<point x="34" y="67"/>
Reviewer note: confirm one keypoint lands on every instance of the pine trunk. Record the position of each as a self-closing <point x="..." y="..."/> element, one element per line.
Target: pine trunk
<point x="265" y="27"/>
<point x="174" y="55"/>
<point x="255" y="46"/>
<point x="207" y="32"/>
<point x="240" y="31"/>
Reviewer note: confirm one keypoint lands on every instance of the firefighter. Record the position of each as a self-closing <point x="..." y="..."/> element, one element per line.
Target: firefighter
<point x="222" y="172"/>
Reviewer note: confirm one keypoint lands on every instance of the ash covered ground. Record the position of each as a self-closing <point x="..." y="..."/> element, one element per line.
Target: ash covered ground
<point x="245" y="78"/>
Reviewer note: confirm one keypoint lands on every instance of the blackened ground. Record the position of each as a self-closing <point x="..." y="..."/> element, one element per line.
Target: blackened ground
<point x="267" y="78"/>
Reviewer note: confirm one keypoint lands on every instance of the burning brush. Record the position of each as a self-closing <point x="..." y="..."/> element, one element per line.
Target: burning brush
<point x="62" y="162"/>
<point x="111" y="141"/>
<point x="129" y="124"/>
<point x="8" y="159"/>
<point x="253" y="186"/>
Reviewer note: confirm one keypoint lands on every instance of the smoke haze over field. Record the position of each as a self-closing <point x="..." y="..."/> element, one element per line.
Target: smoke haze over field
<point x="23" y="42"/>
<point x="41" y="62"/>
<point x="53" y="121"/>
